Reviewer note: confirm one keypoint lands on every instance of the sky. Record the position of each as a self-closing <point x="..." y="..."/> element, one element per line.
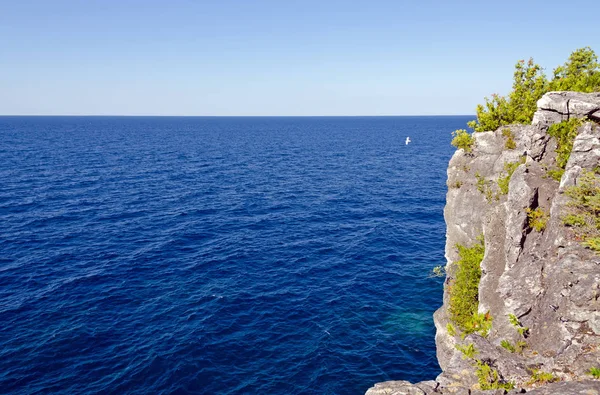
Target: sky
<point x="284" y="57"/>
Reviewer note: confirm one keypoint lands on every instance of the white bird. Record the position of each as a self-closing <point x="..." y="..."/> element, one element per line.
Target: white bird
<point x="407" y="140"/>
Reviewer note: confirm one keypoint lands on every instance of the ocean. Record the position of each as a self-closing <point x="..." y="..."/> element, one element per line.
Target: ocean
<point x="220" y="255"/>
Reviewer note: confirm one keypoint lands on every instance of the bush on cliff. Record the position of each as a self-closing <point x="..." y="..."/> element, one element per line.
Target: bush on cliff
<point x="580" y="73"/>
<point x="462" y="139"/>
<point x="584" y="209"/>
<point x="509" y="168"/>
<point x="564" y="133"/>
<point x="529" y="84"/>
<point x="464" y="289"/>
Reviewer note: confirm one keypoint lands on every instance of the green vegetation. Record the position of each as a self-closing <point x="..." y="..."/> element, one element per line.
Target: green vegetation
<point x="487" y="376"/>
<point x="529" y="84"/>
<point x="451" y="330"/>
<point x="507" y="345"/>
<point x="457" y="184"/>
<point x="468" y="351"/>
<point x="556" y="174"/>
<point x="581" y="73"/>
<point x="438" y="271"/>
<point x="564" y="133"/>
<point x="510" y="139"/>
<point x="481" y="184"/>
<point x="503" y="184"/>
<point x="539" y="377"/>
<point x="484" y="187"/>
<point x="462" y="139"/>
<point x="595" y="373"/>
<point x="464" y="291"/>
<point x="518" y="347"/>
<point x="480" y="323"/>
<point x="514" y="321"/>
<point x="584" y="209"/>
<point x="593" y="243"/>
<point x="489" y="379"/>
<point x="509" y="168"/>
<point x="537" y="219"/>
<point x="573" y="220"/>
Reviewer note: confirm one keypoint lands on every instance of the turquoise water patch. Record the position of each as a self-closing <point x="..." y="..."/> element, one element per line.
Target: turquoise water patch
<point x="414" y="323"/>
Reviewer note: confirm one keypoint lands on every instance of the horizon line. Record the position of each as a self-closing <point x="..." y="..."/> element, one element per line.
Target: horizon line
<point x="232" y="116"/>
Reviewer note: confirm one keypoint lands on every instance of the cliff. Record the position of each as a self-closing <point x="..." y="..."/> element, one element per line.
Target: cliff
<point x="537" y="323"/>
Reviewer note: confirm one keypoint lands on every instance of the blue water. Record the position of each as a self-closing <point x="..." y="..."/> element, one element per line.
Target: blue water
<point x="219" y="255"/>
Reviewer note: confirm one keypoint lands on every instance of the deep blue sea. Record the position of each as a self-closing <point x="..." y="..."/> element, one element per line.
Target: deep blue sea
<point x="250" y="255"/>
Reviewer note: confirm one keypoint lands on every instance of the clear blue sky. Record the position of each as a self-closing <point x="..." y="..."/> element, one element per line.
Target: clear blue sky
<point x="255" y="57"/>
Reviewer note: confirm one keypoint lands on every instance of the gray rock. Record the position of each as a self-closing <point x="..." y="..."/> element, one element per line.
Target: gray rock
<point x="589" y="387"/>
<point x="554" y="107"/>
<point x="586" y="147"/>
<point x="402" y="388"/>
<point x="520" y="197"/>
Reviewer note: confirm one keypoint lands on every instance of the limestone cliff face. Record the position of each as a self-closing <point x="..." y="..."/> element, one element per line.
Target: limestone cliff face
<point x="547" y="279"/>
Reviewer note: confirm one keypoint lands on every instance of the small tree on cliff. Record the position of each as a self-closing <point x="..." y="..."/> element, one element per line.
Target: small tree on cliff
<point x="580" y="73"/>
<point x="529" y="85"/>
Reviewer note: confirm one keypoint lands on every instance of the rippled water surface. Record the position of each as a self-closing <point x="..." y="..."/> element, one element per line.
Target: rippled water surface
<point x="219" y="255"/>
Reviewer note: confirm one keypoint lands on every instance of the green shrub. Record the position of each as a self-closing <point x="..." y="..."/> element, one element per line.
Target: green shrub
<point x="464" y="289"/>
<point x="480" y="182"/>
<point x="586" y="194"/>
<point x="489" y="379"/>
<point x="451" y="330"/>
<point x="438" y="271"/>
<point x="529" y="84"/>
<point x="503" y="184"/>
<point x="581" y="73"/>
<point x="537" y="219"/>
<point x="518" y="347"/>
<point x="594" y="372"/>
<point x="510" y="139"/>
<point x="539" y="377"/>
<point x="462" y="139"/>
<point x="507" y="345"/>
<point x="556" y="174"/>
<point x="484" y="187"/>
<point x="574" y="220"/>
<point x="457" y="184"/>
<point x="480" y="323"/>
<point x="514" y="321"/>
<point x="468" y="351"/>
<point x="593" y="243"/>
<point x="509" y="168"/>
<point x="564" y="133"/>
<point x="584" y="209"/>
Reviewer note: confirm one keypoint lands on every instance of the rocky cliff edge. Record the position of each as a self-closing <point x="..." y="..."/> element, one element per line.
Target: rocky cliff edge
<point x="539" y="287"/>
